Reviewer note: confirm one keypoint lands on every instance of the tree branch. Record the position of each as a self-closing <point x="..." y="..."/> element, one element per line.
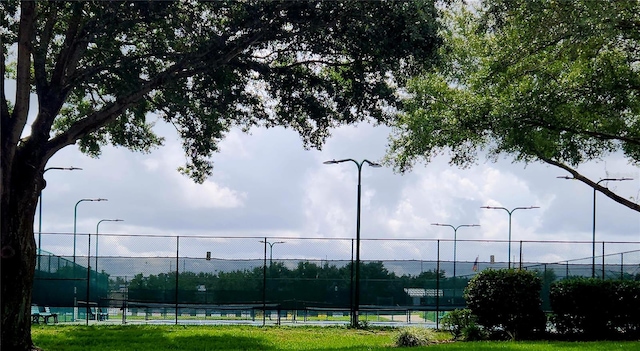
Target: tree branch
<point x="23" y="72"/>
<point x="40" y="53"/>
<point x="189" y="65"/>
<point x="594" y="134"/>
<point x="610" y="194"/>
<point x="323" y="62"/>
<point x="70" y="46"/>
<point x="52" y="94"/>
<point x="99" y="118"/>
<point x="4" y="105"/>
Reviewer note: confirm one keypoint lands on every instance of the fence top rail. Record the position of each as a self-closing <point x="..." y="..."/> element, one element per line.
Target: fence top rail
<point x="253" y="237"/>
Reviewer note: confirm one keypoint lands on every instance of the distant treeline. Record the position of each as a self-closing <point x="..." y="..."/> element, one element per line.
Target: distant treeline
<point x="306" y="284"/>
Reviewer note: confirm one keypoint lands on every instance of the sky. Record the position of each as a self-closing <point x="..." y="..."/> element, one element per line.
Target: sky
<point x="266" y="185"/>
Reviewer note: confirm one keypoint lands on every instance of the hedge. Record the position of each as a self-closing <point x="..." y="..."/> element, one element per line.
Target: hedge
<point x="596" y="309"/>
<point x="507" y="300"/>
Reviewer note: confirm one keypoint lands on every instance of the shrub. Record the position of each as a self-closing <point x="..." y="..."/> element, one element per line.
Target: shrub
<point x="508" y="301"/>
<point x="474" y="332"/>
<point x="411" y="337"/>
<point x="457" y="320"/>
<point x="580" y="306"/>
<point x="626" y="308"/>
<point x="594" y="308"/>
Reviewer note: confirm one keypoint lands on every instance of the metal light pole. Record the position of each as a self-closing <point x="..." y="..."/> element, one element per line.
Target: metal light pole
<point x="509" y="212"/>
<point x="593" y="238"/>
<point x="356" y="307"/>
<point x="75" y="217"/>
<point x="271" y="249"/>
<point x="455" y="235"/>
<point x="97" y="228"/>
<point x="40" y="204"/>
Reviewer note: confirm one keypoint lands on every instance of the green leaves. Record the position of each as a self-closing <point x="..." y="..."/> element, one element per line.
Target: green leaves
<point x="507" y="300"/>
<point x="556" y="80"/>
<point x="101" y="68"/>
<point x="595" y="308"/>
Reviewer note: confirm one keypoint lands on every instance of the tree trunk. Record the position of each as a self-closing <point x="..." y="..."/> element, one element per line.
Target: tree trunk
<point x="19" y="195"/>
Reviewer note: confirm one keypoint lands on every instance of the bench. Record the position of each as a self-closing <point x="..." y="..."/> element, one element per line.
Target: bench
<point x="98" y="313"/>
<point x="43" y="312"/>
<point x="47" y="314"/>
<point x="103" y="314"/>
<point x="35" y="314"/>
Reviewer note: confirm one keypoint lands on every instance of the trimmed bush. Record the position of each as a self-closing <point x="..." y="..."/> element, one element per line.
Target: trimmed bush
<point x="507" y="301"/>
<point x="626" y="317"/>
<point x="596" y="309"/>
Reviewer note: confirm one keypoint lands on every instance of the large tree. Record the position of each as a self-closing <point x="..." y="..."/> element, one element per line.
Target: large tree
<point x="541" y="81"/>
<point x="99" y="68"/>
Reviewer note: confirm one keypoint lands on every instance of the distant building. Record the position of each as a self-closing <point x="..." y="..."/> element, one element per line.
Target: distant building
<point x="421" y="296"/>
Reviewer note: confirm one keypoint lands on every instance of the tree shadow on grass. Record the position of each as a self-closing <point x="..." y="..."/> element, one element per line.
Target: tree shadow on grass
<point x="155" y="339"/>
<point x="127" y="338"/>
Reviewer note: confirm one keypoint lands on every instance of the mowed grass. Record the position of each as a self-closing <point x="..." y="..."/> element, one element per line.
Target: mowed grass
<point x="160" y="338"/>
<point x="204" y="338"/>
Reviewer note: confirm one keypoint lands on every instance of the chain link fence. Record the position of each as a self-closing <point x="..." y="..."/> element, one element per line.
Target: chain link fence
<point x="267" y="280"/>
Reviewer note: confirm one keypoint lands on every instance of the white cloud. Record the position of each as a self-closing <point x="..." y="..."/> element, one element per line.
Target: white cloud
<point x="267" y="185"/>
<point x="151" y="165"/>
<point x="207" y="195"/>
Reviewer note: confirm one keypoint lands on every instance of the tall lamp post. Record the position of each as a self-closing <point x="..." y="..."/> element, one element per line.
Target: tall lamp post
<point x="40" y="204"/>
<point x="509" y="212"/>
<point x="271" y="249"/>
<point x="75" y="217"/>
<point x="455" y="235"/>
<point x="356" y="304"/>
<point x="593" y="238"/>
<point x="97" y="229"/>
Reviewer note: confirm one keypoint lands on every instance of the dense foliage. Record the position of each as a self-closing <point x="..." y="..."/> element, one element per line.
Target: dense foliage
<point x="104" y="72"/>
<point x="507" y="300"/>
<point x="594" y="308"/>
<point x="541" y="81"/>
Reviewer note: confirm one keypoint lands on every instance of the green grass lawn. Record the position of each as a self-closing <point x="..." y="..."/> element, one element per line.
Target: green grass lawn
<point x="203" y="338"/>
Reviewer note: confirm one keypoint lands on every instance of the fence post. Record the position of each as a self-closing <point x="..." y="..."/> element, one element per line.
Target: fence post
<point x="87" y="309"/>
<point x="603" y="277"/>
<point x="520" y="255"/>
<point x="437" y="284"/>
<point x="177" y="272"/>
<point x="351" y="291"/>
<point x="264" y="285"/>
<point x="622" y="266"/>
<point x="125" y="297"/>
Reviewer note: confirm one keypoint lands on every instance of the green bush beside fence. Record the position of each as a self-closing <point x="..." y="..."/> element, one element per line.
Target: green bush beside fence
<point x="593" y="308"/>
<point x="507" y="301"/>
